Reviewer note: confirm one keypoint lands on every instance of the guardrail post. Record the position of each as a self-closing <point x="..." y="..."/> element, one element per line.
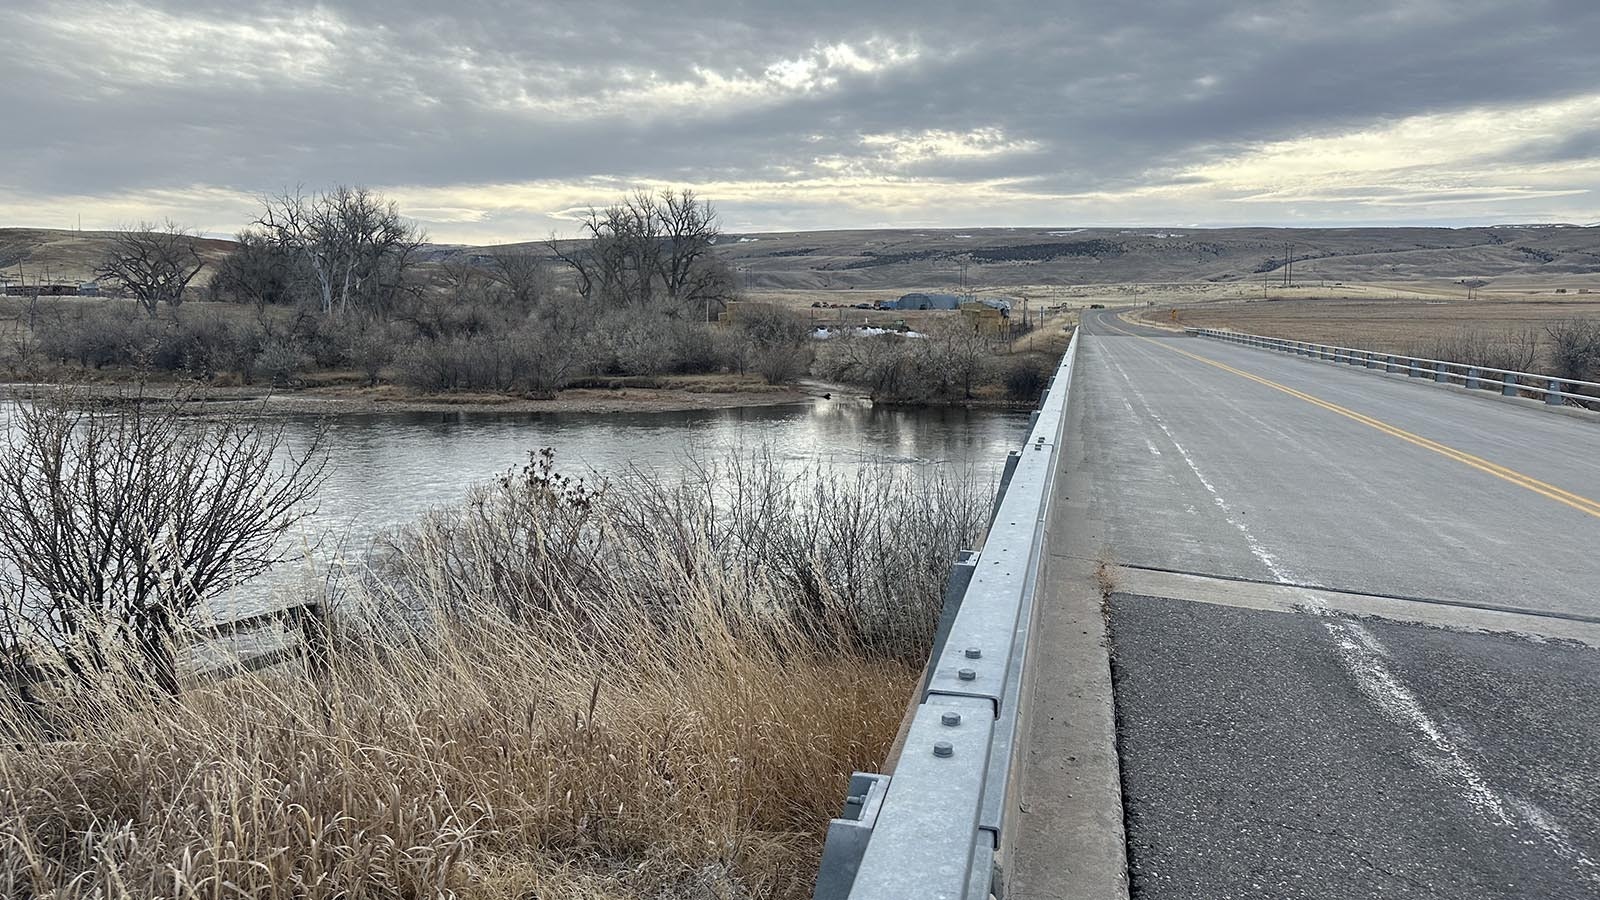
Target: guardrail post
<point x="1390" y="365"/>
<point x="1413" y="370"/>
<point x="1372" y="360"/>
<point x="955" y="589"/>
<point x="1439" y="373"/>
<point x="848" y="835"/>
<point x="1553" y="396"/>
<point x="1508" y="387"/>
<point x="1472" y="378"/>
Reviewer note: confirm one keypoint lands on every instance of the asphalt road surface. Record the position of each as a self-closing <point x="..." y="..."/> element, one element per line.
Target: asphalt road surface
<point x="1316" y="752"/>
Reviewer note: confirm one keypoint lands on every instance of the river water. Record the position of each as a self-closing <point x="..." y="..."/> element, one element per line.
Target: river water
<point x="386" y="469"/>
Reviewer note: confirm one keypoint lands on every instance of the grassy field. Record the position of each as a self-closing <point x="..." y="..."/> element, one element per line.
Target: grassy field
<point x="1400" y="325"/>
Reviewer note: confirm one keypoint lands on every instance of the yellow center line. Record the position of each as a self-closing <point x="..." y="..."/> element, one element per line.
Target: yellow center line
<point x="1576" y="501"/>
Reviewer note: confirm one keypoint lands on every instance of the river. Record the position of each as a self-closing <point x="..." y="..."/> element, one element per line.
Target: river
<point x="386" y="469"/>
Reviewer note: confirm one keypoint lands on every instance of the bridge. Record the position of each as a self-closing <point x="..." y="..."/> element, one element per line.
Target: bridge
<point x="1260" y="624"/>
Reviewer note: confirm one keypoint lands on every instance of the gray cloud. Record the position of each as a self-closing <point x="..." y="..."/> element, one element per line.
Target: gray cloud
<point x="1014" y="109"/>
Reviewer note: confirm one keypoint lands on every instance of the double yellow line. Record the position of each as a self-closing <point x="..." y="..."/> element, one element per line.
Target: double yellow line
<point x="1576" y="501"/>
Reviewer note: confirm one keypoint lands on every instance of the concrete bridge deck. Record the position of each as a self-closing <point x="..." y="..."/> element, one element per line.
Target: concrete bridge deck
<point x="1353" y="622"/>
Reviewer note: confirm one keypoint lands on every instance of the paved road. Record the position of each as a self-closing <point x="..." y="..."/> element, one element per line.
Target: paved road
<point x="1219" y="474"/>
<point x="1314" y="753"/>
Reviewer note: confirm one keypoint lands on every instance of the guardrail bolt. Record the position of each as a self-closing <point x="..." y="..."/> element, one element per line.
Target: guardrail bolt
<point x="943" y="750"/>
<point x="974" y="653"/>
<point x="967" y="675"/>
<point x="950" y="719"/>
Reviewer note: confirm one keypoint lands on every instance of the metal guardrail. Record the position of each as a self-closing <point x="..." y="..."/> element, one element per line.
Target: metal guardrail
<point x="307" y="622"/>
<point x="1555" y="391"/>
<point x="932" y="829"/>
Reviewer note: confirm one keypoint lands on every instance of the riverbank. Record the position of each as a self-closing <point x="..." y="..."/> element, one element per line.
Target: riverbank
<point x="686" y="393"/>
<point x="679" y="394"/>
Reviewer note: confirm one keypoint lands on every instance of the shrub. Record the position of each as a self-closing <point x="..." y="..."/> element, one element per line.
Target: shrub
<point x="373" y="348"/>
<point x="1575" y="348"/>
<point x="861" y="557"/>
<point x="780" y="341"/>
<point x="116" y="524"/>
<point x="1026" y="380"/>
<point x="282" y="362"/>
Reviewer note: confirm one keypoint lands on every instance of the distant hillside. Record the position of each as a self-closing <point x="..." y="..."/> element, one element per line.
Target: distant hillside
<point x="69" y="256"/>
<point x="998" y="257"/>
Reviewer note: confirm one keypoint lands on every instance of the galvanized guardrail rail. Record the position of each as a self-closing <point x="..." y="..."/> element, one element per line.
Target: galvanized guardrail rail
<point x="1555" y="391"/>
<point x="932" y="829"/>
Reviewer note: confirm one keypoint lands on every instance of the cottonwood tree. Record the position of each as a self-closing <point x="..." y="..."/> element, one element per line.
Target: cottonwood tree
<point x="116" y="525"/>
<point x="259" y="271"/>
<point x="524" y="277"/>
<point x="354" y="243"/>
<point x="651" y="250"/>
<point x="154" y="263"/>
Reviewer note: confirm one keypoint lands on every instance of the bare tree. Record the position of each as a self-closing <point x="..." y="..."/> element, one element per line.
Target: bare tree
<point x="259" y="271"/>
<point x="955" y="357"/>
<point x="651" y="250"/>
<point x="524" y="276"/>
<point x="116" y="525"/>
<point x="154" y="263"/>
<point x="355" y="244"/>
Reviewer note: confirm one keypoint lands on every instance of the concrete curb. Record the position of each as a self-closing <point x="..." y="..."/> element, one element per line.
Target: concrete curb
<point x="1069" y="840"/>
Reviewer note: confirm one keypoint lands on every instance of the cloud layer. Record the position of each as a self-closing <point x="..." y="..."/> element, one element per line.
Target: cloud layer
<point x="495" y="120"/>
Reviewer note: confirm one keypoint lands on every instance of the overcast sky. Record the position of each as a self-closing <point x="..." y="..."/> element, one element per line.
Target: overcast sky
<point x="495" y="120"/>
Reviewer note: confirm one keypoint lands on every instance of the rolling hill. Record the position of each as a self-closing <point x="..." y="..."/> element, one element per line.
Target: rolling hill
<point x="1529" y="256"/>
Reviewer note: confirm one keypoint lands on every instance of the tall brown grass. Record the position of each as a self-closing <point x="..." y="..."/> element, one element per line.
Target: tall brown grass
<point x="656" y="689"/>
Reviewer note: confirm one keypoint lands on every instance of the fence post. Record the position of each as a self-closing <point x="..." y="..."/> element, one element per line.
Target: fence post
<point x="1472" y="378"/>
<point x="1413" y="370"/>
<point x="1509" y="387"/>
<point x="1390" y="365"/>
<point x="1439" y="374"/>
<point x="1552" y="397"/>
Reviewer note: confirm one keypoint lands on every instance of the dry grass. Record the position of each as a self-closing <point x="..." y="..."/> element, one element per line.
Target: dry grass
<point x="586" y="700"/>
<point x="1107" y="575"/>
<point x="1396" y="326"/>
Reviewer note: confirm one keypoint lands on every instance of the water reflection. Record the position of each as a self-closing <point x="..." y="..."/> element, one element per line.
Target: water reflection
<point x="386" y="469"/>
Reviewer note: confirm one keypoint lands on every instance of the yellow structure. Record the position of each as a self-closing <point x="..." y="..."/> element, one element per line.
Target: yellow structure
<point x="986" y="318"/>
